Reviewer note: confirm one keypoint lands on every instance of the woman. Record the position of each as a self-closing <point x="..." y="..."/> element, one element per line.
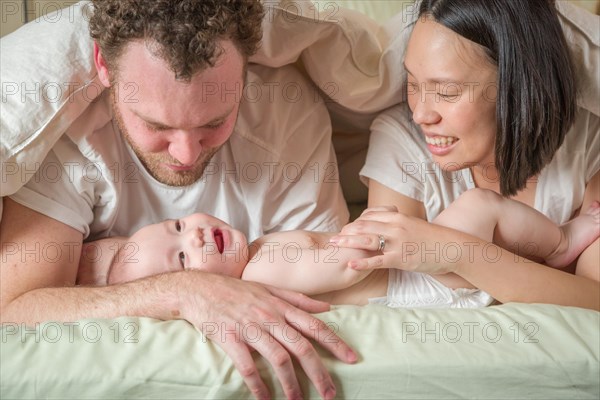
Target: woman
<point x="491" y="97"/>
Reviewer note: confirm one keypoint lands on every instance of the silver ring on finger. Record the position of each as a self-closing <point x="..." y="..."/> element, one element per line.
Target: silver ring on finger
<point x="381" y="243"/>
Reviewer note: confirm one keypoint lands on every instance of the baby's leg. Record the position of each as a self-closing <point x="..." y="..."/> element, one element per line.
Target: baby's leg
<point x="578" y="234"/>
<point x="475" y="212"/>
<point x="470" y="213"/>
<point x="519" y="228"/>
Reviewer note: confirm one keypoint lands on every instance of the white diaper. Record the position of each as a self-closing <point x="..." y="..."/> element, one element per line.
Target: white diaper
<point x="416" y="290"/>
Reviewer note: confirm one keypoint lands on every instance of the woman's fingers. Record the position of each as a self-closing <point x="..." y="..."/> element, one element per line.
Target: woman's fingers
<point x="377" y="222"/>
<point x="379" y="209"/>
<point x="369" y="241"/>
<point x="368" y="263"/>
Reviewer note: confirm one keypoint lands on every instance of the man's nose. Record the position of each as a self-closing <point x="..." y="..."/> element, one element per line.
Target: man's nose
<point x="185" y="147"/>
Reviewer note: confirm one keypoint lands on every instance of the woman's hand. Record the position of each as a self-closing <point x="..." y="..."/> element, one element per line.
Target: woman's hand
<point x="410" y="243"/>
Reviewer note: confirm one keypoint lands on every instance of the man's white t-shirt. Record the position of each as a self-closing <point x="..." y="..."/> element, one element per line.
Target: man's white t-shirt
<point x="277" y="172"/>
<point x="399" y="159"/>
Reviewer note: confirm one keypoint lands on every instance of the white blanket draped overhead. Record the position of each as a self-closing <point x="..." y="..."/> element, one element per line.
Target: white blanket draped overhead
<point x="48" y="75"/>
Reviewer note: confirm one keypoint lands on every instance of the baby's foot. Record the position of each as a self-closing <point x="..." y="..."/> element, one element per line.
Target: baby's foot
<point x="577" y="235"/>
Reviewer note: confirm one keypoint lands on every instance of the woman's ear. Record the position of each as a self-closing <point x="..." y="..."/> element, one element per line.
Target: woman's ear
<point x="101" y="66"/>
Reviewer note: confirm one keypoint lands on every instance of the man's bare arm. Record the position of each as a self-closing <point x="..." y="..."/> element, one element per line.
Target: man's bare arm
<point x="97" y="258"/>
<point x="40" y="258"/>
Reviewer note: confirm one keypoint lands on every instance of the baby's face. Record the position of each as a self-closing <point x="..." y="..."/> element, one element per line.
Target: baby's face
<point x="198" y="241"/>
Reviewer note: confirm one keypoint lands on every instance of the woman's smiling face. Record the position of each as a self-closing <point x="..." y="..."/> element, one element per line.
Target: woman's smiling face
<point x="452" y="95"/>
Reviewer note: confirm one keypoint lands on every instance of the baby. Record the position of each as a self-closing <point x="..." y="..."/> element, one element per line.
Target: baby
<point x="297" y="260"/>
<point x="307" y="262"/>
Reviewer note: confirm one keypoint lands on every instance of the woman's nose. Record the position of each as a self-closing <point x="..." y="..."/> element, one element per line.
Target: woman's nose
<point x="424" y="112"/>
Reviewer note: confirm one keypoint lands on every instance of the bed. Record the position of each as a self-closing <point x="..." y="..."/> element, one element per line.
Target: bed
<point x="510" y="351"/>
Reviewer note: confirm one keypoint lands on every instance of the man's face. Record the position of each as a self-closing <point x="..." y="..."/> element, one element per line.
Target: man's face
<point x="176" y="127"/>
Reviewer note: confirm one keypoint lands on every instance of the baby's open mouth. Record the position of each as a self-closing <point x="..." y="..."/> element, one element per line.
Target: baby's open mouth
<point x="218" y="235"/>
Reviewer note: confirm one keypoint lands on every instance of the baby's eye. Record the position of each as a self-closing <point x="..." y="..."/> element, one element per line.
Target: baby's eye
<point x="178" y="226"/>
<point x="182" y="259"/>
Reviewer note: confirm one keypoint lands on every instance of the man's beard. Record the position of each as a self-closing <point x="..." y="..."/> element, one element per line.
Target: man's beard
<point x="156" y="164"/>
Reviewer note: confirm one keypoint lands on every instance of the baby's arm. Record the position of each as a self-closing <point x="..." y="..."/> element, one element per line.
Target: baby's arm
<point x="96" y="260"/>
<point x="304" y="262"/>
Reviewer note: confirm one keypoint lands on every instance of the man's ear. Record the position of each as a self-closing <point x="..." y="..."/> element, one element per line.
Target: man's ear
<point x="101" y="66"/>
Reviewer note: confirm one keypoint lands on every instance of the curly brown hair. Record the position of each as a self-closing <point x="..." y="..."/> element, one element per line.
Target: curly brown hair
<point x="184" y="33"/>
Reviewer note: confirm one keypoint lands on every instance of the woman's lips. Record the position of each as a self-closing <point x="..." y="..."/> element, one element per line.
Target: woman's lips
<point x="440" y="145"/>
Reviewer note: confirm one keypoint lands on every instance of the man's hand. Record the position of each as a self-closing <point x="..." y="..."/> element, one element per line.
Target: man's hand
<point x="278" y="322"/>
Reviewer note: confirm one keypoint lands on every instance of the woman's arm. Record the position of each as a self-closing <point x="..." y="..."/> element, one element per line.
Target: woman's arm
<point x="381" y="195"/>
<point x="414" y="244"/>
<point x="588" y="265"/>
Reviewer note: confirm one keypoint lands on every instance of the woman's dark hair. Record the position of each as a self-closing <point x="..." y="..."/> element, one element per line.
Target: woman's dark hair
<point x="184" y="33"/>
<point x="536" y="101"/>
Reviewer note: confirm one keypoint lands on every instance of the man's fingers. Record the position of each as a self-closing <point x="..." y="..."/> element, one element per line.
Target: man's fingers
<point x="313" y="366"/>
<point x="272" y="345"/>
<point x="282" y="333"/>
<point x="300" y="300"/>
<point x="242" y="359"/>
<point x="273" y="349"/>
<point x="320" y="332"/>
<point x="291" y="336"/>
<point x="300" y="326"/>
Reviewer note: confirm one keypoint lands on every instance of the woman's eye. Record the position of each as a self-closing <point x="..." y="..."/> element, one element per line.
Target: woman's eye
<point x="178" y="226"/>
<point x="449" y="97"/>
<point x="182" y="259"/>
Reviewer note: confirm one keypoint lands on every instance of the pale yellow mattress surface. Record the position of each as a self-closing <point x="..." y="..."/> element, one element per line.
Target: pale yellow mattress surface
<point x="512" y="351"/>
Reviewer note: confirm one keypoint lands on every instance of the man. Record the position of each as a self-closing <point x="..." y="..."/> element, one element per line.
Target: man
<point x="185" y="125"/>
